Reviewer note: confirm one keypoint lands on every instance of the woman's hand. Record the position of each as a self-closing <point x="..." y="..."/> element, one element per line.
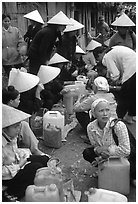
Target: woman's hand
<point x="103" y="151"/>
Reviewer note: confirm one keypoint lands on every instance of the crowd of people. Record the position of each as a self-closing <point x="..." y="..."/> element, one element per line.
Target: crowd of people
<point x="55" y="57"/>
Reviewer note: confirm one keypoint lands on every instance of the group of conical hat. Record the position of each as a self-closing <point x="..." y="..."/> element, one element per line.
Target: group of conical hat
<point x="35" y="16"/>
<point x="47" y="73"/>
<point x="79" y="50"/>
<point x="57" y="59"/>
<point x="75" y="25"/>
<point x="23" y="81"/>
<point x="93" y="44"/>
<point x="12" y="116"/>
<point x="124" y="21"/>
<point x="60" y="18"/>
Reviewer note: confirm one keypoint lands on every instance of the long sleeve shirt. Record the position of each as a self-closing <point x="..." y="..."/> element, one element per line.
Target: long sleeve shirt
<point x="120" y="63"/>
<point x="11" y="42"/>
<point x="99" y="137"/>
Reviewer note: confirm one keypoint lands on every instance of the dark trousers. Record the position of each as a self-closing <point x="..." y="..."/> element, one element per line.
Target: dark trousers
<point x="7" y="68"/>
<point x="127" y="98"/>
<point x="25" y="177"/>
<point x="89" y="154"/>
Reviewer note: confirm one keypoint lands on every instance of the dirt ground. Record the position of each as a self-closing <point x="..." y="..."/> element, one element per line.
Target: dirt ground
<point x="72" y="163"/>
<point x="74" y="166"/>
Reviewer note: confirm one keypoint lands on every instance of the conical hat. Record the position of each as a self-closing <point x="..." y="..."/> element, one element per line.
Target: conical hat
<point x="79" y="50"/>
<point x="35" y="16"/>
<point x="107" y="42"/>
<point x="92" y="45"/>
<point x="123" y="20"/>
<point x="11" y="115"/>
<point x="60" y="19"/>
<point x="75" y="26"/>
<point x="22" y="81"/>
<point x="47" y="73"/>
<point x="57" y="59"/>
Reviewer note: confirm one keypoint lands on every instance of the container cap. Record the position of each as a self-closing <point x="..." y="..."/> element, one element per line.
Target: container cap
<point x="75" y="25"/>
<point x="35" y="16"/>
<point x="124" y="21"/>
<point x="12" y="116"/>
<point x="22" y="81"/>
<point x="92" y="45"/>
<point x="57" y="59"/>
<point x="59" y="19"/>
<point x="47" y="73"/>
<point x="79" y="50"/>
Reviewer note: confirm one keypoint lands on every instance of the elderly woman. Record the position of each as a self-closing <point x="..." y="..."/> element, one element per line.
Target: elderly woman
<point x="100" y="88"/>
<point x="101" y="136"/>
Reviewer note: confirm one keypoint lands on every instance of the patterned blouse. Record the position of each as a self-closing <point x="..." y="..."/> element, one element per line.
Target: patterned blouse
<point x="100" y="137"/>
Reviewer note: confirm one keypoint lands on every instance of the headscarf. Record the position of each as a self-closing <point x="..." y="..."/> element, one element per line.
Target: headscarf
<point x="95" y="103"/>
<point x="101" y="83"/>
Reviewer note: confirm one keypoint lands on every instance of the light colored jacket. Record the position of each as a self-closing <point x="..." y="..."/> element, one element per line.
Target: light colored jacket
<point x="12" y="40"/>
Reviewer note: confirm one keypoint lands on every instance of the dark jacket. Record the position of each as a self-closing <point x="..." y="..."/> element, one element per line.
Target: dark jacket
<point x="31" y="32"/>
<point x="41" y="48"/>
<point x="28" y="102"/>
<point x="67" y="47"/>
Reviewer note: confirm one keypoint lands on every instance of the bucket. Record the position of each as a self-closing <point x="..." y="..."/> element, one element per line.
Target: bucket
<point x="114" y="175"/>
<point x="102" y="195"/>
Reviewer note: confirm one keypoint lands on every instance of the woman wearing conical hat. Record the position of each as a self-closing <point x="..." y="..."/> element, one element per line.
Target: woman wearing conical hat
<point x="43" y="44"/>
<point x="36" y="23"/>
<point x="26" y="137"/>
<point x="124" y="35"/>
<point x="17" y="173"/>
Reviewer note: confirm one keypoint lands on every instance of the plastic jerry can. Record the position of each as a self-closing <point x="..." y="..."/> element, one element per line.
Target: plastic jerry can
<point x="48" y="175"/>
<point x="68" y="101"/>
<point x="113" y="175"/>
<point x="81" y="87"/>
<point x="102" y="195"/>
<point x="54" y="118"/>
<point x="52" y="136"/>
<point x="47" y="193"/>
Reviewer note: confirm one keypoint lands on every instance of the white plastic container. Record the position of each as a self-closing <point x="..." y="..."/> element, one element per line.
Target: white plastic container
<point x="71" y="95"/>
<point x="54" y="118"/>
<point x="102" y="195"/>
<point x="47" y="193"/>
<point x="114" y="175"/>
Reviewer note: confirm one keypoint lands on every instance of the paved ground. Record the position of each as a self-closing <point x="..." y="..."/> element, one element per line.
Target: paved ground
<point x="75" y="167"/>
